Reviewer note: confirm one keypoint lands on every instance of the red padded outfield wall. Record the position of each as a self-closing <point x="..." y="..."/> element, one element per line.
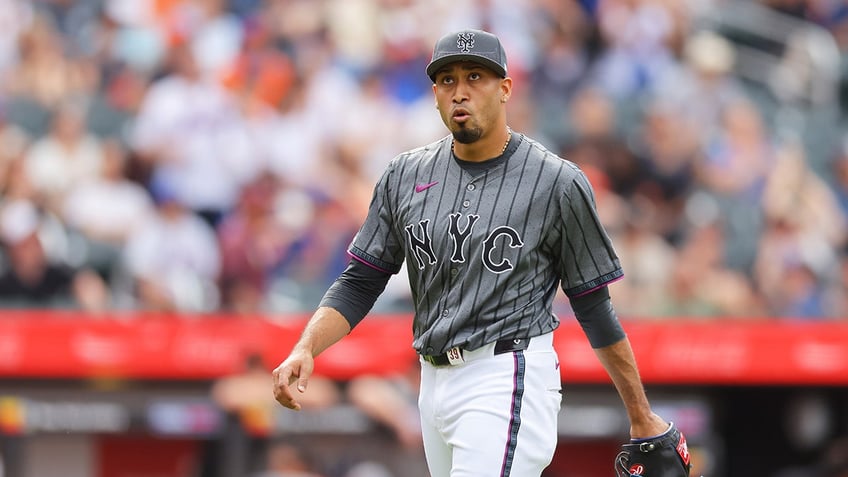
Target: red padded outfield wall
<point x="142" y="346"/>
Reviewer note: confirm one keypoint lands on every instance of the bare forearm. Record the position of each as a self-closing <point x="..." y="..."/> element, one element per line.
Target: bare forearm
<point x="620" y="364"/>
<point x="325" y="328"/>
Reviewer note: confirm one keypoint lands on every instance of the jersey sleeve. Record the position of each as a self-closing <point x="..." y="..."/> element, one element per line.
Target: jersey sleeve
<point x="376" y="243"/>
<point x="588" y="259"/>
<point x="354" y="292"/>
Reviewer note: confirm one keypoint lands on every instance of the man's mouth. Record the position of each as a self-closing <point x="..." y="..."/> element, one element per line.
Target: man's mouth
<point x="460" y="115"/>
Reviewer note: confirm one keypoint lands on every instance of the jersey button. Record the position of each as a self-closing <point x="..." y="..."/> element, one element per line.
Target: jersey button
<point x="454" y="272"/>
<point x="470" y="187"/>
<point x="445" y="313"/>
<point x="466" y="203"/>
<point x="429" y="350"/>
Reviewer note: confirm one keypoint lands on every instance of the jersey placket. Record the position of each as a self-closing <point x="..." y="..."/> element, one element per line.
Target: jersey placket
<point x="469" y="194"/>
<point x="469" y="198"/>
<point x="469" y="202"/>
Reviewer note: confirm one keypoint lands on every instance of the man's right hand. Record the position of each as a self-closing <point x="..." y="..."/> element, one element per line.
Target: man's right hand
<point x="296" y="368"/>
<point x="326" y="327"/>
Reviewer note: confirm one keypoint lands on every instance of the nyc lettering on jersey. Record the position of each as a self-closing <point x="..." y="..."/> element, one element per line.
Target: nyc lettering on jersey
<point x="458" y="230"/>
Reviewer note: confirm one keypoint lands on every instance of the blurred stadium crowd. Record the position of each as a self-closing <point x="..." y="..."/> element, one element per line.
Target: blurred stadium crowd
<point x="219" y="155"/>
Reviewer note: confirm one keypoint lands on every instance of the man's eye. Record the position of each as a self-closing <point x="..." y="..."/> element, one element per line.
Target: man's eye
<point x="447" y="80"/>
<point x="474" y="76"/>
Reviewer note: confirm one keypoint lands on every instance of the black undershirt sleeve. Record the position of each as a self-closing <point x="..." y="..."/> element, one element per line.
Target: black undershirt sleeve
<point x="355" y="291"/>
<point x="597" y="317"/>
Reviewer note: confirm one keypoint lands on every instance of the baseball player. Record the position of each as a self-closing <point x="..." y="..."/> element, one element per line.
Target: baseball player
<point x="489" y="223"/>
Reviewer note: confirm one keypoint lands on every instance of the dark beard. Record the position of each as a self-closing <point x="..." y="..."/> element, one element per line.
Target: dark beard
<point x="467" y="136"/>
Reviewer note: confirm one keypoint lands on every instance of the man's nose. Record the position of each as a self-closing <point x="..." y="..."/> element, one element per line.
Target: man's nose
<point x="460" y="94"/>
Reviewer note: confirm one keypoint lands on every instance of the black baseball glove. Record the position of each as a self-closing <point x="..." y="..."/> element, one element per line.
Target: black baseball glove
<point x="665" y="455"/>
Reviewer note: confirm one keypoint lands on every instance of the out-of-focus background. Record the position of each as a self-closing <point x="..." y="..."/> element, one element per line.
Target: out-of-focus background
<point x="179" y="180"/>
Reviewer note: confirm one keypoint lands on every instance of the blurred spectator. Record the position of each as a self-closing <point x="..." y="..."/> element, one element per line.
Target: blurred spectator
<point x="29" y="278"/>
<point x="13" y="146"/>
<point x="701" y="285"/>
<point x="131" y="33"/>
<point x="366" y="149"/>
<point x="69" y="17"/>
<point x="107" y="210"/>
<point x="332" y="171"/>
<point x="173" y="261"/>
<point x="667" y="152"/>
<point x="639" y="37"/>
<point x="286" y="138"/>
<point x="45" y="77"/>
<point x="215" y="34"/>
<point x="15" y="181"/>
<point x="113" y="110"/>
<point x="794" y="188"/>
<point x="289" y="460"/>
<point x="740" y="155"/>
<point x="592" y="115"/>
<point x="839" y="178"/>
<point x="805" y="229"/>
<point x="392" y="402"/>
<point x="15" y="18"/>
<point x="260" y="70"/>
<point x="254" y="241"/>
<point x="67" y="156"/>
<point x="245" y="398"/>
<point x="648" y="259"/>
<point x="190" y="131"/>
<point x="596" y="143"/>
<point x="700" y="88"/>
<point x="17" y="188"/>
<point x="734" y="170"/>
<point x="211" y="96"/>
<point x="560" y="70"/>
<point x="837" y="294"/>
<point x="245" y="395"/>
<point x="295" y="20"/>
<point x="323" y="228"/>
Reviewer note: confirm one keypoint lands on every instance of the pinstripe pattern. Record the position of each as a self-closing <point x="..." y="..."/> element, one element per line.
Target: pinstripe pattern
<point x="486" y="248"/>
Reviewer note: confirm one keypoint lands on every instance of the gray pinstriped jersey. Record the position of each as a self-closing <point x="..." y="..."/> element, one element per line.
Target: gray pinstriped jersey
<point x="486" y="251"/>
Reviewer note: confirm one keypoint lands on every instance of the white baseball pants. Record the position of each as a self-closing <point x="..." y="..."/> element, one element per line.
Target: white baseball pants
<point x="492" y="415"/>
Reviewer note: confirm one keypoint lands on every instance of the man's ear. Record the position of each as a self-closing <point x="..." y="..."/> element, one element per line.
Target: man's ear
<point x="506" y="89"/>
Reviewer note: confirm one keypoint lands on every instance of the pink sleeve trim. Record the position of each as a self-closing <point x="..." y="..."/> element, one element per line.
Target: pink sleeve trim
<point x="371" y="265"/>
<point x="599" y="286"/>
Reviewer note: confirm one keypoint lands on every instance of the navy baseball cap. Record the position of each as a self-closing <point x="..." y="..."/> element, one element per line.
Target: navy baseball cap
<point x="469" y="45"/>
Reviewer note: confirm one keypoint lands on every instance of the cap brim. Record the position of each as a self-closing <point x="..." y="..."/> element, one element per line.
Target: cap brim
<point x="443" y="61"/>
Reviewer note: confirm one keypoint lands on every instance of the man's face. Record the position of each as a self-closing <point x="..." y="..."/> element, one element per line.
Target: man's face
<point x="469" y="98"/>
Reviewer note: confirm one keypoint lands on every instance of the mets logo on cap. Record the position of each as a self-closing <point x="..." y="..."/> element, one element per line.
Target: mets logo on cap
<point x="465" y="41"/>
